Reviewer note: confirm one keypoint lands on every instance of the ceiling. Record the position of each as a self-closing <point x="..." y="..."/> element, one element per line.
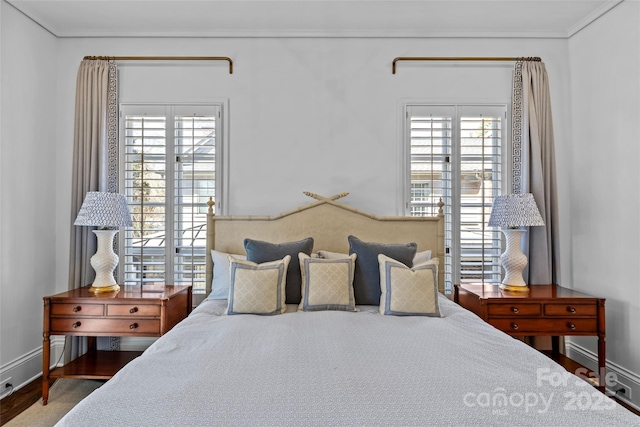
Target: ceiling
<point x="314" y="18"/>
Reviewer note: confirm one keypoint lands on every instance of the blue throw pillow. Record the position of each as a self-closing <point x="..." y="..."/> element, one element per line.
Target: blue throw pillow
<point x="259" y="251"/>
<point x="366" y="281"/>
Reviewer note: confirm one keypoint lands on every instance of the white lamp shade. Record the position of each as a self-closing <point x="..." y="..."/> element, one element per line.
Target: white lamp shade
<point x="104" y="210"/>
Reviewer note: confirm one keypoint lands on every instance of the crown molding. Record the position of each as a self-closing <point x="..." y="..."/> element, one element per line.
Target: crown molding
<point x="587" y="20"/>
<point x="301" y="33"/>
<point x="52" y="27"/>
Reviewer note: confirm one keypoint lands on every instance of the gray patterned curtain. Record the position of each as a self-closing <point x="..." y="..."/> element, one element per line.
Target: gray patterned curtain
<point x="534" y="169"/>
<point x="95" y="163"/>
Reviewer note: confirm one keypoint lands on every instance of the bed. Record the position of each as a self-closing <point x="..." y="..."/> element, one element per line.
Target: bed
<point x="430" y="364"/>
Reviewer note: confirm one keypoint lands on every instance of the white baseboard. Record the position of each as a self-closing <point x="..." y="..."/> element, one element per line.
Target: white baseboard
<point x="622" y="375"/>
<point x="28" y="367"/>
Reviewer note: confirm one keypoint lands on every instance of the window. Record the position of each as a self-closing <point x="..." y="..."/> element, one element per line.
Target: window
<point x="454" y="152"/>
<point x="169" y="168"/>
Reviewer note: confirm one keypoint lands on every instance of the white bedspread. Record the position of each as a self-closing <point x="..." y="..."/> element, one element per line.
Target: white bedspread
<point x="343" y="368"/>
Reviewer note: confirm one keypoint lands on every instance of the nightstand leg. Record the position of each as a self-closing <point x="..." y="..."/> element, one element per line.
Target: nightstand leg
<point x="602" y="347"/>
<point x="602" y="363"/>
<point x="555" y="344"/>
<point x="46" y="355"/>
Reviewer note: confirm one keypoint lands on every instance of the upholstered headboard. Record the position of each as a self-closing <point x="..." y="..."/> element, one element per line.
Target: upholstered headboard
<point x="329" y="223"/>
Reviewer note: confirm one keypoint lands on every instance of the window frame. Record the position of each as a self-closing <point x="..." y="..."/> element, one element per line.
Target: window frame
<point x="171" y="110"/>
<point x="404" y="160"/>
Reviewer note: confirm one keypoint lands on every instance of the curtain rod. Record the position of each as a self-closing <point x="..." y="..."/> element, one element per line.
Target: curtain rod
<point x="165" y="58"/>
<point x="449" y="58"/>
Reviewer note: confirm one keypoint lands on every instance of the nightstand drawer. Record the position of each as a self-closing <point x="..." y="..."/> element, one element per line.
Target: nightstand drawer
<point x="66" y="309"/>
<point x="516" y="309"/>
<point x="553" y="326"/>
<point x="570" y="310"/>
<point x="101" y="326"/>
<point x="119" y="310"/>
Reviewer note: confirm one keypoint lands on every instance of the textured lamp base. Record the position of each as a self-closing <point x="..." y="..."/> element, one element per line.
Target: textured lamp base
<point x="104" y="262"/>
<point x="513" y="261"/>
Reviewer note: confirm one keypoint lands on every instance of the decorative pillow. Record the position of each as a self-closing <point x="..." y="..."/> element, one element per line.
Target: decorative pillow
<point x="257" y="288"/>
<point x="327" y="284"/>
<point x="259" y="251"/>
<point x="366" y="281"/>
<point x="421" y="257"/>
<point x="332" y="255"/>
<point x="221" y="276"/>
<point x="409" y="291"/>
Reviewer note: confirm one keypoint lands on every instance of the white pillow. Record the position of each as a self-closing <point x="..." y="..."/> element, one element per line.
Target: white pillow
<point x="408" y="291"/>
<point x="257" y="288"/>
<point x="221" y="274"/>
<point x="327" y="284"/>
<point x="421" y="257"/>
<point x="332" y="255"/>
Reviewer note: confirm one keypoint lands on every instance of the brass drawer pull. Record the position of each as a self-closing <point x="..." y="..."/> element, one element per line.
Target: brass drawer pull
<point x="133" y="310"/>
<point x="76" y="325"/>
<point x="514" y="326"/>
<point x="571" y="326"/>
<point x="515" y="310"/>
<point x="571" y="310"/>
<point x="133" y="326"/>
<point x="77" y="309"/>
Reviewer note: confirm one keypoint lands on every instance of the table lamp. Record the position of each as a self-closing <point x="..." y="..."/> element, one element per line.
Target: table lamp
<point x="510" y="212"/>
<point x="104" y="210"/>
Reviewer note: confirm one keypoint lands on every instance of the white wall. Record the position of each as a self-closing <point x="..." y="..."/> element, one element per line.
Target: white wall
<point x="605" y="190"/>
<point x="28" y="191"/>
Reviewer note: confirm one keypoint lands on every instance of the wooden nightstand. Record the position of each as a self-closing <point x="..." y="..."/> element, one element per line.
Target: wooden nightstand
<point x="547" y="310"/>
<point x="129" y="312"/>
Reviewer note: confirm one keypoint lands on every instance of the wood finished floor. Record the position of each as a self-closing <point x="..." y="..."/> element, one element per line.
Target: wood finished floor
<point x="20" y="400"/>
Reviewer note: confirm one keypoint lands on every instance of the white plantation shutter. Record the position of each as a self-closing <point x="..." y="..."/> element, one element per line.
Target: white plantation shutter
<point x="169" y="172"/>
<point x="480" y="160"/>
<point x="455" y="154"/>
<point x="144" y="171"/>
<point x="194" y="181"/>
<point x="430" y="134"/>
<point x="430" y="145"/>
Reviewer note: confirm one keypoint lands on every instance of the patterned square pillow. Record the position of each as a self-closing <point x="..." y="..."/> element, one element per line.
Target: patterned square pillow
<point x="327" y="284"/>
<point x="257" y="288"/>
<point x="409" y="291"/>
